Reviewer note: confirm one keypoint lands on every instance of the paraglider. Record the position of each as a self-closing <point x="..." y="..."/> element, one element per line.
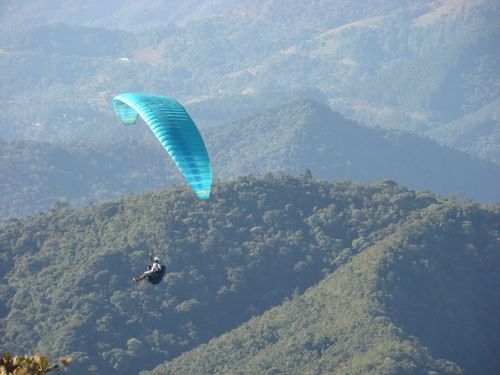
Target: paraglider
<point x="155" y="272"/>
<point x="176" y="132"/>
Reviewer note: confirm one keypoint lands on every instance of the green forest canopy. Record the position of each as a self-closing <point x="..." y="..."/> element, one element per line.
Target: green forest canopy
<point x="65" y="283"/>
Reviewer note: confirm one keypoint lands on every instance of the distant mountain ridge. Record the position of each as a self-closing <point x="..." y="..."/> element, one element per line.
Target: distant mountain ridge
<point x="290" y="138"/>
<point x="128" y="14"/>
<point x="429" y="67"/>
<point x="307" y="135"/>
<point x="115" y="14"/>
<point x="35" y="176"/>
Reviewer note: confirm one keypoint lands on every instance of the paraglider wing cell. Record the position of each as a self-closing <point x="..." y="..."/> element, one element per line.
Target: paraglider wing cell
<point x="176" y="132"/>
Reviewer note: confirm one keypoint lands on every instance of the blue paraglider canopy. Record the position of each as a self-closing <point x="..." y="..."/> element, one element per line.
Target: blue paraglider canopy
<point x="176" y="132"/>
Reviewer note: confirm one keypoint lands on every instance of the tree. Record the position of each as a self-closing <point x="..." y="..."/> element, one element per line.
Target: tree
<point x="29" y="365"/>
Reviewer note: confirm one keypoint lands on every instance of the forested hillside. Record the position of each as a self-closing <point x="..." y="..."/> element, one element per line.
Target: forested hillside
<point x="37" y="175"/>
<point x="66" y="288"/>
<point x="429" y="66"/>
<point x="306" y="134"/>
<point x="422" y="300"/>
<point x="289" y="138"/>
<point x="353" y="225"/>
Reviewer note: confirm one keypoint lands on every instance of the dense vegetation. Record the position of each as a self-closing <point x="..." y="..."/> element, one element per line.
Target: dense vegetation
<point x="421" y="66"/>
<point x="289" y="138"/>
<point x="306" y="134"/>
<point x="65" y="275"/>
<point x="29" y="364"/>
<point x="276" y="273"/>
<point x="35" y="175"/>
<point x="422" y="300"/>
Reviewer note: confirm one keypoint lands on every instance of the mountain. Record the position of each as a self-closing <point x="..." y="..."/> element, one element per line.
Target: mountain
<point x="279" y="271"/>
<point x="417" y="66"/>
<point x="308" y="135"/>
<point x="115" y="14"/>
<point x="477" y="133"/>
<point x="132" y="16"/>
<point x="420" y="300"/>
<point x="36" y="175"/>
<point x="395" y="256"/>
<point x="290" y="138"/>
